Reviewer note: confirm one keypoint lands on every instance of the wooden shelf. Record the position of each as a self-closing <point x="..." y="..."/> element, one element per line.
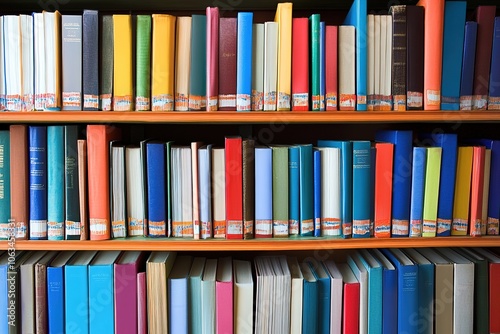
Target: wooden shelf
<point x="254" y="245"/>
<point x="221" y="117"/>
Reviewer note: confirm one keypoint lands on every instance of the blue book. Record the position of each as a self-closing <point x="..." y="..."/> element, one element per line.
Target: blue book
<point x="346" y="179"/>
<point x="417" y="191"/>
<point x="401" y="178"/>
<point x="76" y="292"/>
<point x="309" y="300"/>
<point x="306" y="188"/>
<point x="449" y="144"/>
<point x="389" y="293"/>
<point x="361" y="174"/>
<point x="156" y="189"/>
<point x="324" y="295"/>
<point x="468" y="60"/>
<point x="55" y="292"/>
<point x="5" y="181"/>
<point x="101" y="291"/>
<point x="294" y="185"/>
<point x="322" y="73"/>
<point x="453" y="41"/>
<point x="38" y="182"/>
<point x="204" y="177"/>
<point x="263" y="192"/>
<point x="55" y="182"/>
<point x="375" y="292"/>
<point x="425" y="291"/>
<point x="317" y="192"/>
<point x="494" y="88"/>
<point x="244" y="62"/>
<point x="178" y="295"/>
<point x="407" y="290"/>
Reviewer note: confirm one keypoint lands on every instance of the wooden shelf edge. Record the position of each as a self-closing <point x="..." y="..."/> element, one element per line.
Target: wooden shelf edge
<point x="276" y="117"/>
<point x="312" y="244"/>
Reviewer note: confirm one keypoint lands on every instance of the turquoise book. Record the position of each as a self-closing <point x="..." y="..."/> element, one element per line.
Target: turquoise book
<point x="317" y="192"/>
<point x="294" y="185"/>
<point x="322" y="64"/>
<point x="195" y="296"/>
<point x="375" y="290"/>
<point x="324" y="295"/>
<point x="306" y="198"/>
<point x="314" y="21"/>
<point x="346" y="179"/>
<point x="309" y="300"/>
<point x="4" y="184"/>
<point x="55" y="182"/>
<point x="361" y="174"/>
<point x="453" y="41"/>
<point x="244" y="62"/>
<point x="198" y="73"/>
<point x="389" y="293"/>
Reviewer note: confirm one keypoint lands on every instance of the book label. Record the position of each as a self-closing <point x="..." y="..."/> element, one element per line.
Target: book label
<point x="322" y="103"/>
<point x="197" y="102"/>
<point x="493" y="226"/>
<point x="122" y="103"/>
<point x="280" y="228"/>
<point x="39" y="101"/>
<point x="306" y="226"/>
<point x="383" y="229"/>
<point x="105" y="102"/>
<point x="72" y="228"/>
<point x="50" y="100"/>
<point x="361" y="99"/>
<point x="206" y="230"/>
<point x="90" y="101"/>
<point x="399" y="102"/>
<point x="283" y="101"/>
<point x="118" y="229"/>
<point x="475" y="229"/>
<point x="157" y="228"/>
<point x="429" y="227"/>
<point x="22" y="230"/>
<point x="433" y="97"/>
<point x="415" y="100"/>
<point x="331" y="101"/>
<point x="460" y="225"/>
<point x="316" y="102"/>
<point x="243" y="102"/>
<point x="38" y="228"/>
<point x="163" y="102"/>
<point x="443" y="225"/>
<point x="98" y="226"/>
<point x="493" y="103"/>
<point x="141" y="103"/>
<point x="235" y="227"/>
<point x="330" y="226"/>
<point x="385" y="103"/>
<point x="416" y="228"/>
<point x="361" y="227"/>
<point x="257" y="100"/>
<point x="347" y="229"/>
<point x="348" y="101"/>
<point x="196" y="229"/>
<point x="176" y="229"/>
<point x="227" y="101"/>
<point x="14" y="102"/>
<point x="28" y="102"/>
<point x="71" y="99"/>
<point x="212" y="103"/>
<point x="479" y="102"/>
<point x="466" y="102"/>
<point x="220" y="229"/>
<point x="187" y="229"/>
<point x="181" y="102"/>
<point x="400" y="227"/>
<point x="55" y="230"/>
<point x="302" y="99"/>
<point x="294" y="226"/>
<point x="264" y="227"/>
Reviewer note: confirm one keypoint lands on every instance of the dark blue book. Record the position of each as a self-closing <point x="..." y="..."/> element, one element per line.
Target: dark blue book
<point x="317" y="192"/>
<point x="401" y="178"/>
<point x="468" y="60"/>
<point x="244" y="62"/>
<point x="324" y="288"/>
<point x="38" y="182"/>
<point x="494" y="87"/>
<point x="294" y="185"/>
<point x="156" y="189"/>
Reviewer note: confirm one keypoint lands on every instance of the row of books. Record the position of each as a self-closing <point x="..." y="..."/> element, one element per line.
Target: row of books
<point x="417" y="57"/>
<point x="367" y="291"/>
<point x="57" y="185"/>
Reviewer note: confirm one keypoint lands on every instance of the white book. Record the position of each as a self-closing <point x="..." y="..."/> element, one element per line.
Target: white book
<point x="371" y="59"/>
<point x="347" y="67"/>
<point x="205" y="194"/>
<point x="135" y="191"/>
<point x="377" y="60"/>
<point x="383" y="59"/>
<point x="486" y="190"/>
<point x="219" y="193"/>
<point x="359" y="270"/>
<point x="52" y="60"/>
<point x="13" y="73"/>
<point x="187" y="193"/>
<point x="176" y="191"/>
<point x="208" y="297"/>
<point x="463" y="291"/>
<point x="243" y="295"/>
<point x="270" y="64"/>
<point x="2" y="67"/>
<point x="336" y="296"/>
<point x="387" y="88"/>
<point x="39" y="60"/>
<point x="330" y="191"/>
<point x="27" y="62"/>
<point x="182" y="62"/>
<point x="258" y="67"/>
<point x="195" y="184"/>
<point x="296" y="300"/>
<point x="117" y="191"/>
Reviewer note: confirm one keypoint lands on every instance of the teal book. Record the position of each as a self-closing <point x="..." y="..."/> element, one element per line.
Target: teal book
<point x="101" y="292"/>
<point x="346" y="179"/>
<point x="195" y="297"/>
<point x="389" y="293"/>
<point x="55" y="182"/>
<point x="375" y="290"/>
<point x="306" y="198"/>
<point x="72" y="219"/>
<point x="198" y="73"/>
<point x="293" y="183"/>
<point x="324" y="295"/>
<point x="361" y="174"/>
<point x="314" y="21"/>
<point x="309" y="300"/>
<point x="4" y="184"/>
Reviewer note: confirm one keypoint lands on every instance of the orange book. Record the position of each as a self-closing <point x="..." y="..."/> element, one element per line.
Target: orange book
<point x="476" y="196"/>
<point x="19" y="184"/>
<point x="98" y="139"/>
<point x="383" y="189"/>
<point x="433" y="52"/>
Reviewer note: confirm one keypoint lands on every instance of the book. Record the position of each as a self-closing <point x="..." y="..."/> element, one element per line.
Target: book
<point x="156" y="188"/>
<point x="375" y="289"/>
<point x="399" y="56"/>
<point x="383" y="189"/>
<point x="314" y="21"/>
<point x="19" y="180"/>
<point x="361" y="273"/>
<point x="460" y="221"/>
<point x="122" y="63"/>
<point x="243" y="292"/>
<point x="178" y="292"/>
<point x="361" y="166"/>
<point x="90" y="59"/>
<point x="195" y="183"/>
<point x="476" y="196"/>
<point x="248" y="187"/>
<point x="142" y="317"/>
<point x="331" y="189"/>
<point x="198" y="66"/>
<point x="322" y="66"/>
<point x="5" y="211"/>
<point x="306" y="199"/>
<point x="371" y="45"/>
<point x="300" y="61"/>
<point x="135" y="191"/>
<point x="389" y="292"/>
<point x="415" y="41"/>
<point x="118" y="190"/>
<point x="331" y="69"/>
<point x="350" y="304"/>
<point x="106" y="63"/>
<point x="72" y="221"/>
<point x="27" y="62"/>
<point x="284" y="19"/>
<point x="195" y="297"/>
<point x="257" y="67"/>
<point x="206" y="197"/>
<point x="224" y="320"/>
<point x="55" y="182"/>
<point x="296" y="298"/>
<point x="347" y="68"/>
<point x="244" y="62"/>
<point x="270" y="65"/>
<point x="324" y="294"/>
<point x="468" y="61"/>
<point x="234" y="183"/>
<point x="385" y="70"/>
<point x="71" y="68"/>
<point x="486" y="191"/>
<point x="431" y="192"/>
<point x="336" y="286"/>
<point x="38" y="62"/>
<point x="310" y="300"/>
<point x="317" y="193"/>
<point x="264" y="192"/>
<point x="208" y="296"/>
<point x="182" y="62"/>
<point x="227" y="63"/>
<point x="38" y="182"/>
<point x="280" y="191"/>
<point x="212" y="14"/>
<point x="294" y="190"/>
<point x="419" y="167"/>
<point x="219" y="193"/>
<point x="493" y="94"/>
<point x="52" y="24"/>
<point x="82" y="188"/>
<point x="143" y="62"/>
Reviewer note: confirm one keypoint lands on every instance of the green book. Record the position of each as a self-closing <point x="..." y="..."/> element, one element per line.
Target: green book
<point x="315" y="93"/>
<point x="4" y="184"/>
<point x="198" y="75"/>
<point x="143" y="63"/>
<point x="106" y="64"/>
<point x="431" y="192"/>
<point x="280" y="191"/>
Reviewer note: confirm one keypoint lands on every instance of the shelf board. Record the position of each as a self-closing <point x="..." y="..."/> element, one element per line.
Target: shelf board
<point x="301" y="244"/>
<point x="221" y="117"/>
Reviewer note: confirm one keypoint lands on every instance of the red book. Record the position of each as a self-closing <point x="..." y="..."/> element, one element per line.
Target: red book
<point x="234" y="188"/>
<point x="142" y="312"/>
<point x="98" y="139"/>
<point x="300" y="64"/>
<point x="494" y="271"/>
<point x="476" y="196"/>
<point x="19" y="184"/>
<point x="331" y="67"/>
<point x="227" y="63"/>
<point x="350" y="316"/>
<point x="383" y="189"/>
<point x="212" y="58"/>
<point x="485" y="18"/>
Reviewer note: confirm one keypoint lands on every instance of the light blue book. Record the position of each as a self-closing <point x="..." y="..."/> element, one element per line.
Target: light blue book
<point x="178" y="295"/>
<point x="361" y="174"/>
<point x="346" y="179"/>
<point x="55" y="182"/>
<point x="294" y="186"/>
<point x="263" y="192"/>
<point x="417" y="191"/>
<point x="5" y="181"/>
<point x="101" y="290"/>
<point x="375" y="290"/>
<point x="324" y="295"/>
<point x="195" y="295"/>
<point x="357" y="17"/>
<point x="453" y="41"/>
<point x="4" y="301"/>
<point x="204" y="178"/>
<point x="306" y="198"/>
<point x="244" y="62"/>
<point x="76" y="292"/>
<point x="208" y="297"/>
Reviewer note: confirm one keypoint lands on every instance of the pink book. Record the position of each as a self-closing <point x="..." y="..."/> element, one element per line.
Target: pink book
<point x="212" y="58"/>
<point x="142" y="314"/>
<point x="331" y="67"/>
<point x="224" y="296"/>
<point x="125" y="283"/>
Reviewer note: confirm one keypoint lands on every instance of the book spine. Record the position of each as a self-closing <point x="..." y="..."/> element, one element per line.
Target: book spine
<point x="331" y="67"/>
<point x="300" y="63"/>
<point x="198" y="72"/>
<point x="322" y="71"/>
<point x="71" y="183"/>
<point x="55" y="182"/>
<point x="234" y="191"/>
<point x="361" y="167"/>
<point x="263" y="192"/>
<point x="468" y="60"/>
<point x="204" y="175"/>
<point x="315" y="37"/>
<point x="494" y="89"/>
<point x="90" y="73"/>
<point x="38" y="182"/>
<point x="106" y="64"/>
<point x="414" y="57"/>
<point x="212" y="58"/>
<point x="55" y="299"/>
<point x="306" y="191"/>
<point x="383" y="189"/>
<point x="71" y="36"/>
<point x="476" y="197"/>
<point x="449" y="143"/>
<point x="156" y="187"/>
<point x="122" y="63"/>
<point x="248" y="173"/>
<point x="19" y="178"/>
<point x="492" y="226"/>
<point x="417" y="190"/>
<point x="227" y="63"/>
<point x="5" y="214"/>
<point x="244" y="62"/>
<point x="399" y="57"/>
<point x="143" y="63"/>
<point x="270" y="64"/>
<point x="293" y="181"/>
<point x="284" y="19"/>
<point x="460" y="223"/>
<point x="347" y="68"/>
<point x="280" y="191"/>
<point x="258" y="67"/>
<point x="317" y="193"/>
<point x="82" y="188"/>
<point x="431" y="192"/>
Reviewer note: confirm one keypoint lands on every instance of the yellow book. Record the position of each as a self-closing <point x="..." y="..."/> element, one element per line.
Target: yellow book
<point x="162" y="74"/>
<point x="431" y="192"/>
<point x="462" y="191"/>
<point x="284" y="19"/>
<point x="182" y="63"/>
<point x="122" y="63"/>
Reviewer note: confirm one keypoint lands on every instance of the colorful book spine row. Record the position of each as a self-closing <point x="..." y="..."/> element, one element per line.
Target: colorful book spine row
<point x="416" y="57"/>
